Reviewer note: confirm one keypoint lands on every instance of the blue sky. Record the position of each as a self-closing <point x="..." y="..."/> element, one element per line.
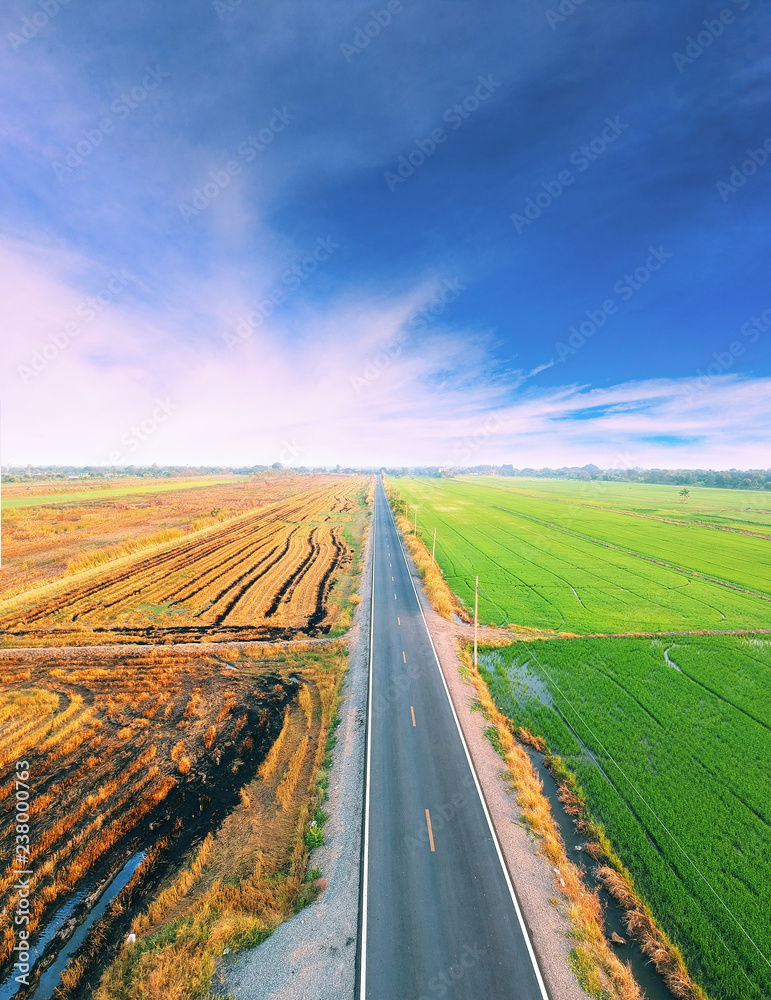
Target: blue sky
<point x="560" y="165"/>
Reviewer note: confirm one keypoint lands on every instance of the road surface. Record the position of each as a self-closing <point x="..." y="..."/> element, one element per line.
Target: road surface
<point x="439" y="917"/>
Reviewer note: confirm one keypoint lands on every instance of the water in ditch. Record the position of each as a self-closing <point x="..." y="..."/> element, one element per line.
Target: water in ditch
<point x="49" y="980"/>
<point x="649" y="981"/>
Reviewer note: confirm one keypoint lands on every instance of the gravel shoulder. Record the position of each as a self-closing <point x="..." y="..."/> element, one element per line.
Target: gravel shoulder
<point x="313" y="955"/>
<point x="531" y="874"/>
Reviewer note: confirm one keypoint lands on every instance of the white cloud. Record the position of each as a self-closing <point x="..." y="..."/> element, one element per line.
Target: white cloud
<point x="344" y="382"/>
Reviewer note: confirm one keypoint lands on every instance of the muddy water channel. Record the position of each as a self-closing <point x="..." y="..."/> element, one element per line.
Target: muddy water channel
<point x="62" y="922"/>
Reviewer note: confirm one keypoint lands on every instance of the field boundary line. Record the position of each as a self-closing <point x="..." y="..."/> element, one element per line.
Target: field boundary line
<point x="499" y="852"/>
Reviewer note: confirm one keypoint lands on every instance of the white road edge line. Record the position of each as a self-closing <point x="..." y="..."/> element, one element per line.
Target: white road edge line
<point x="365" y="870"/>
<point x="505" y="870"/>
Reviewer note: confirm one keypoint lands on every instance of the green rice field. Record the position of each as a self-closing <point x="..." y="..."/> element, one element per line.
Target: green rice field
<point x="671" y="742"/>
<point x="669" y="734"/>
<point x="600" y="557"/>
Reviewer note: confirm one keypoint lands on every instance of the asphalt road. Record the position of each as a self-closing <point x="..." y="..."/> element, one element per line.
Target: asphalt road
<point x="438" y="913"/>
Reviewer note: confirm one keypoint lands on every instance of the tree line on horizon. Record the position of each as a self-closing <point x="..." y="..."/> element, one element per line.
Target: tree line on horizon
<point x="731" y="479"/>
<point x="736" y="479"/>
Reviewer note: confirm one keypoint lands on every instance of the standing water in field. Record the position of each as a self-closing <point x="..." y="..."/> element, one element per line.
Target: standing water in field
<point x="49" y="980"/>
<point x="525" y="684"/>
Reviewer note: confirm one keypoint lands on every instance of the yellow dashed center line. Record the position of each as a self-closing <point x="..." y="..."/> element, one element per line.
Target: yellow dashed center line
<point x="399" y="620"/>
<point x="404" y="656"/>
<point x="430" y="831"/>
<point x="413" y="715"/>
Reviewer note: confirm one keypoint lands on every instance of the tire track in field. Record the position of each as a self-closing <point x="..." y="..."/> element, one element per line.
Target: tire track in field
<point x="232" y="531"/>
<point x="665" y="730"/>
<point x="601" y="582"/>
<point x="181" y="564"/>
<point x="292" y="581"/>
<point x="227" y="563"/>
<point x="641" y="819"/>
<point x="726" y="701"/>
<point x="316" y="618"/>
<point x="509" y="573"/>
<point x="638" y="555"/>
<point x="625" y="513"/>
<point x="149" y="562"/>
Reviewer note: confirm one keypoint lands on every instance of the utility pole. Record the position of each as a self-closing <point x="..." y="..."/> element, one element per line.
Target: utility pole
<point x="416" y="520"/>
<point x="433" y="550"/>
<point x="476" y="617"/>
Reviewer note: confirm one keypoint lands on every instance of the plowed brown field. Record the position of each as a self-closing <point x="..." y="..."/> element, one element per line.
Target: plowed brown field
<point x="266" y="574"/>
<point x="44" y="543"/>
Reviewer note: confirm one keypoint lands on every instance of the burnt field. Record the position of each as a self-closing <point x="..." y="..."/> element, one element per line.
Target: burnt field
<point x="144" y="762"/>
<point x="269" y="574"/>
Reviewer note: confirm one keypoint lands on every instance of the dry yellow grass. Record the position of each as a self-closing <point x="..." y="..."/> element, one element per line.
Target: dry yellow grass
<point x="198" y="581"/>
<point x="97" y="557"/>
<point x="46" y="543"/>
<point x="288" y="784"/>
<point x="205" y="908"/>
<point x="442" y="598"/>
<point x="102" y="762"/>
<point x="268" y="766"/>
<point x="666" y="956"/>
<point x="306" y="704"/>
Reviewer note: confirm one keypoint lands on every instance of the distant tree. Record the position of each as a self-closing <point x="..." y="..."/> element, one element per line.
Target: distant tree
<point x="684" y="494"/>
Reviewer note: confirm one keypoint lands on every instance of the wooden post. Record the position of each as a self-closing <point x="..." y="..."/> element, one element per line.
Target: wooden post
<point x="416" y="520"/>
<point x="433" y="550"/>
<point x="476" y="617"/>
